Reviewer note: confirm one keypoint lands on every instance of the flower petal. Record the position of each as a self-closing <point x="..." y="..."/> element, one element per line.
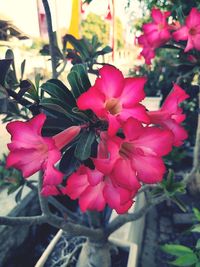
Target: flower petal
<point x="124" y="175"/>
<point x="133" y="91"/>
<point x="154" y="141"/>
<point x="92" y="198"/>
<point x="92" y="99"/>
<point x="152" y="172"/>
<point x="111" y="81"/>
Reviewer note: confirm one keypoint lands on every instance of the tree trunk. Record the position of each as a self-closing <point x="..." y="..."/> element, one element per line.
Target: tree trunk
<point x="94" y="255"/>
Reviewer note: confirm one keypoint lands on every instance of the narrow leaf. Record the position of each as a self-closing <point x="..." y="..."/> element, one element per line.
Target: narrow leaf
<point x="69" y="163"/>
<point x="84" y="145"/>
<point x="176" y="250"/>
<point x="186" y="260"/>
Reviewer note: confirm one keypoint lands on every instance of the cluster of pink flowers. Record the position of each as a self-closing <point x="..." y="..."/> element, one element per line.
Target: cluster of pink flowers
<point x="129" y="152"/>
<point x="159" y="32"/>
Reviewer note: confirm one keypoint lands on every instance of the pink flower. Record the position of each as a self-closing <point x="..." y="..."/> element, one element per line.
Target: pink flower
<point x="137" y="156"/>
<point x="170" y="115"/>
<point x="114" y="98"/>
<point x="30" y="152"/>
<point x="94" y="190"/>
<point x="190" y="31"/>
<point x="148" y="51"/>
<point x="157" y="32"/>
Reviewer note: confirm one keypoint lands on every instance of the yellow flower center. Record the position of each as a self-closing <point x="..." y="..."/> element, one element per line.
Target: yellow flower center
<point x="113" y="106"/>
<point x="126" y="150"/>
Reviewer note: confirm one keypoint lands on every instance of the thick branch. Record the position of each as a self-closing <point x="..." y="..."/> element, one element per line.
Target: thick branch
<point x="54" y="202"/>
<point x="43" y="200"/>
<point x="13" y="221"/>
<point x="128" y="217"/>
<point x="196" y="155"/>
<point x="52" y="38"/>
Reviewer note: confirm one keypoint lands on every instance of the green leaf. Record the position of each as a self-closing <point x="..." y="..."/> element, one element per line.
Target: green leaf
<point x="196" y="228"/>
<point x="84" y="145"/>
<point x="69" y="96"/>
<point x="48" y="104"/>
<point x="57" y="92"/>
<point x="75" y="83"/>
<point x="186" y="260"/>
<point x="198" y="244"/>
<point x="69" y="163"/>
<point x="18" y="196"/>
<point x="179" y="203"/>
<point x="83" y="76"/>
<point x="32" y="92"/>
<point x="12" y="188"/>
<point x="4" y="67"/>
<point x="59" y="109"/>
<point x="176" y="250"/>
<point x="170" y="179"/>
<point x="196" y="213"/>
<point x="197" y="264"/>
<point x="105" y="50"/>
<point x="23" y="68"/>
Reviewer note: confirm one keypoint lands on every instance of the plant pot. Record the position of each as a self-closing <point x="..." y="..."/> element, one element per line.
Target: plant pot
<point x="129" y="247"/>
<point x="128" y="237"/>
<point x="131" y="234"/>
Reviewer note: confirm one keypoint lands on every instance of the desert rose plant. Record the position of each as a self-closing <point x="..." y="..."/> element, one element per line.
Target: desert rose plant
<point x="98" y="144"/>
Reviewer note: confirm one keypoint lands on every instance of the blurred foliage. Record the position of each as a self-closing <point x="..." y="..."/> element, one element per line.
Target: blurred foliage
<point x="96" y="25"/>
<point x="171" y="188"/>
<point x="177" y="7"/>
<point x="84" y="51"/>
<point x="11" y="179"/>
<point x="182" y="254"/>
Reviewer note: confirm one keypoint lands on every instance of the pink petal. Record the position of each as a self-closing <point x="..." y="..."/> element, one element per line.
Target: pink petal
<point x="124" y="175"/>
<point x="180" y="34"/>
<point x="92" y="99"/>
<point x="76" y="185"/>
<point x="157" y="15"/>
<point x="132" y="129"/>
<point x="196" y="42"/>
<point x="37" y="122"/>
<point x="113" y="196"/>
<point x="133" y="91"/>
<point x="176" y="96"/>
<point x="154" y="141"/>
<point x="23" y="135"/>
<point x="111" y="81"/>
<point x="65" y="137"/>
<point x="92" y="198"/>
<point x="113" y="125"/>
<point x="94" y="177"/>
<point x="137" y="112"/>
<point x="49" y="190"/>
<point x="193" y="19"/>
<point x="149" y="169"/>
<point x="29" y="161"/>
<point x="190" y="44"/>
<point x="179" y="132"/>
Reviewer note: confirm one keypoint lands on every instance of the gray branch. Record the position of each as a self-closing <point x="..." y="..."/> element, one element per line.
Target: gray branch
<point x="128" y="217"/>
<point x="13" y="221"/>
<point x="52" y="38"/>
